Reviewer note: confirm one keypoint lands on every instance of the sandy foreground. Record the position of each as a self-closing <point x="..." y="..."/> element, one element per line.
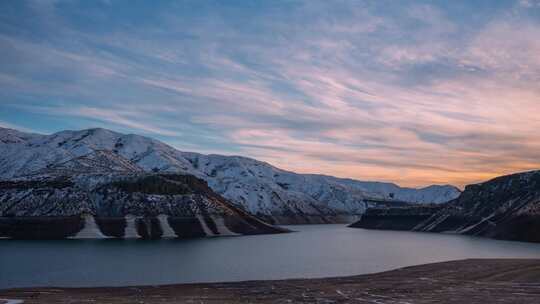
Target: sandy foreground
<point x="465" y="281"/>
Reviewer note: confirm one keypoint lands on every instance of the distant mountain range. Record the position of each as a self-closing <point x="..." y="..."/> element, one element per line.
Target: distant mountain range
<point x="278" y="196"/>
<point x="506" y="207"/>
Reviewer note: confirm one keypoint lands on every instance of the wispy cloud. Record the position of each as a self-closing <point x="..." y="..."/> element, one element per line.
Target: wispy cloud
<point x="8" y="125"/>
<point x="412" y="92"/>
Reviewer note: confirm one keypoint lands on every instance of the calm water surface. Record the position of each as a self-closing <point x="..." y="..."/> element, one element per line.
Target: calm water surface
<point x="313" y="251"/>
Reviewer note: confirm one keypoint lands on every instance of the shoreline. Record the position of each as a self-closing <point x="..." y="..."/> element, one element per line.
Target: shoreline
<point x="467" y="281"/>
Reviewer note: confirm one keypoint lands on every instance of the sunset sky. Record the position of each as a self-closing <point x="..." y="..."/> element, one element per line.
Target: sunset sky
<point x="413" y="92"/>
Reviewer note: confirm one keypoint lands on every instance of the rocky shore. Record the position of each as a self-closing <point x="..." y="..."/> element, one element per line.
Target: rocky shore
<point x="465" y="281"/>
<point x="506" y="207"/>
<point x="120" y="205"/>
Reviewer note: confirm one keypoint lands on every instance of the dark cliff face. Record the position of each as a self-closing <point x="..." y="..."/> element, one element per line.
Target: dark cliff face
<point x="136" y="205"/>
<point x="396" y="218"/>
<point x="507" y="207"/>
<point x="510" y="192"/>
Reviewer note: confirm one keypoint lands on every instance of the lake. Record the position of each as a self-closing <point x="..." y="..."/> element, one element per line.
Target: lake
<point x="314" y="251"/>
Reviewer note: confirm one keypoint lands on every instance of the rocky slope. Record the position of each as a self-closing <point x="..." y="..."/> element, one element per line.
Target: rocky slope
<point x="507" y="207"/>
<point x="122" y="202"/>
<point x="396" y="218"/>
<point x="276" y="195"/>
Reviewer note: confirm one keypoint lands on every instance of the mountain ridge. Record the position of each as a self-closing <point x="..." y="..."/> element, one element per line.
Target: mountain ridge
<point x="277" y="195"/>
<point x="116" y="204"/>
<point x="505" y="207"/>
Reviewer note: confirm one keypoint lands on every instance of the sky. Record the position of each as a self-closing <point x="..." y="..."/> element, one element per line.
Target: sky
<point x="413" y="92"/>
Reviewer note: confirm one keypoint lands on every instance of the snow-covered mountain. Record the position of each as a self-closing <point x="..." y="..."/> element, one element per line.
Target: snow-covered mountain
<point x="276" y="195"/>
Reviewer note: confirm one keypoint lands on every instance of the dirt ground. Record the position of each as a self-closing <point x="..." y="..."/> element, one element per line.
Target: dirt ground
<point x="467" y="281"/>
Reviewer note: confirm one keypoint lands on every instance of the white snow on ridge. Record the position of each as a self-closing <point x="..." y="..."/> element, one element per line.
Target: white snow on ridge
<point x="257" y="186"/>
<point x="130" y="232"/>
<point x="168" y="232"/>
<point x="90" y="230"/>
